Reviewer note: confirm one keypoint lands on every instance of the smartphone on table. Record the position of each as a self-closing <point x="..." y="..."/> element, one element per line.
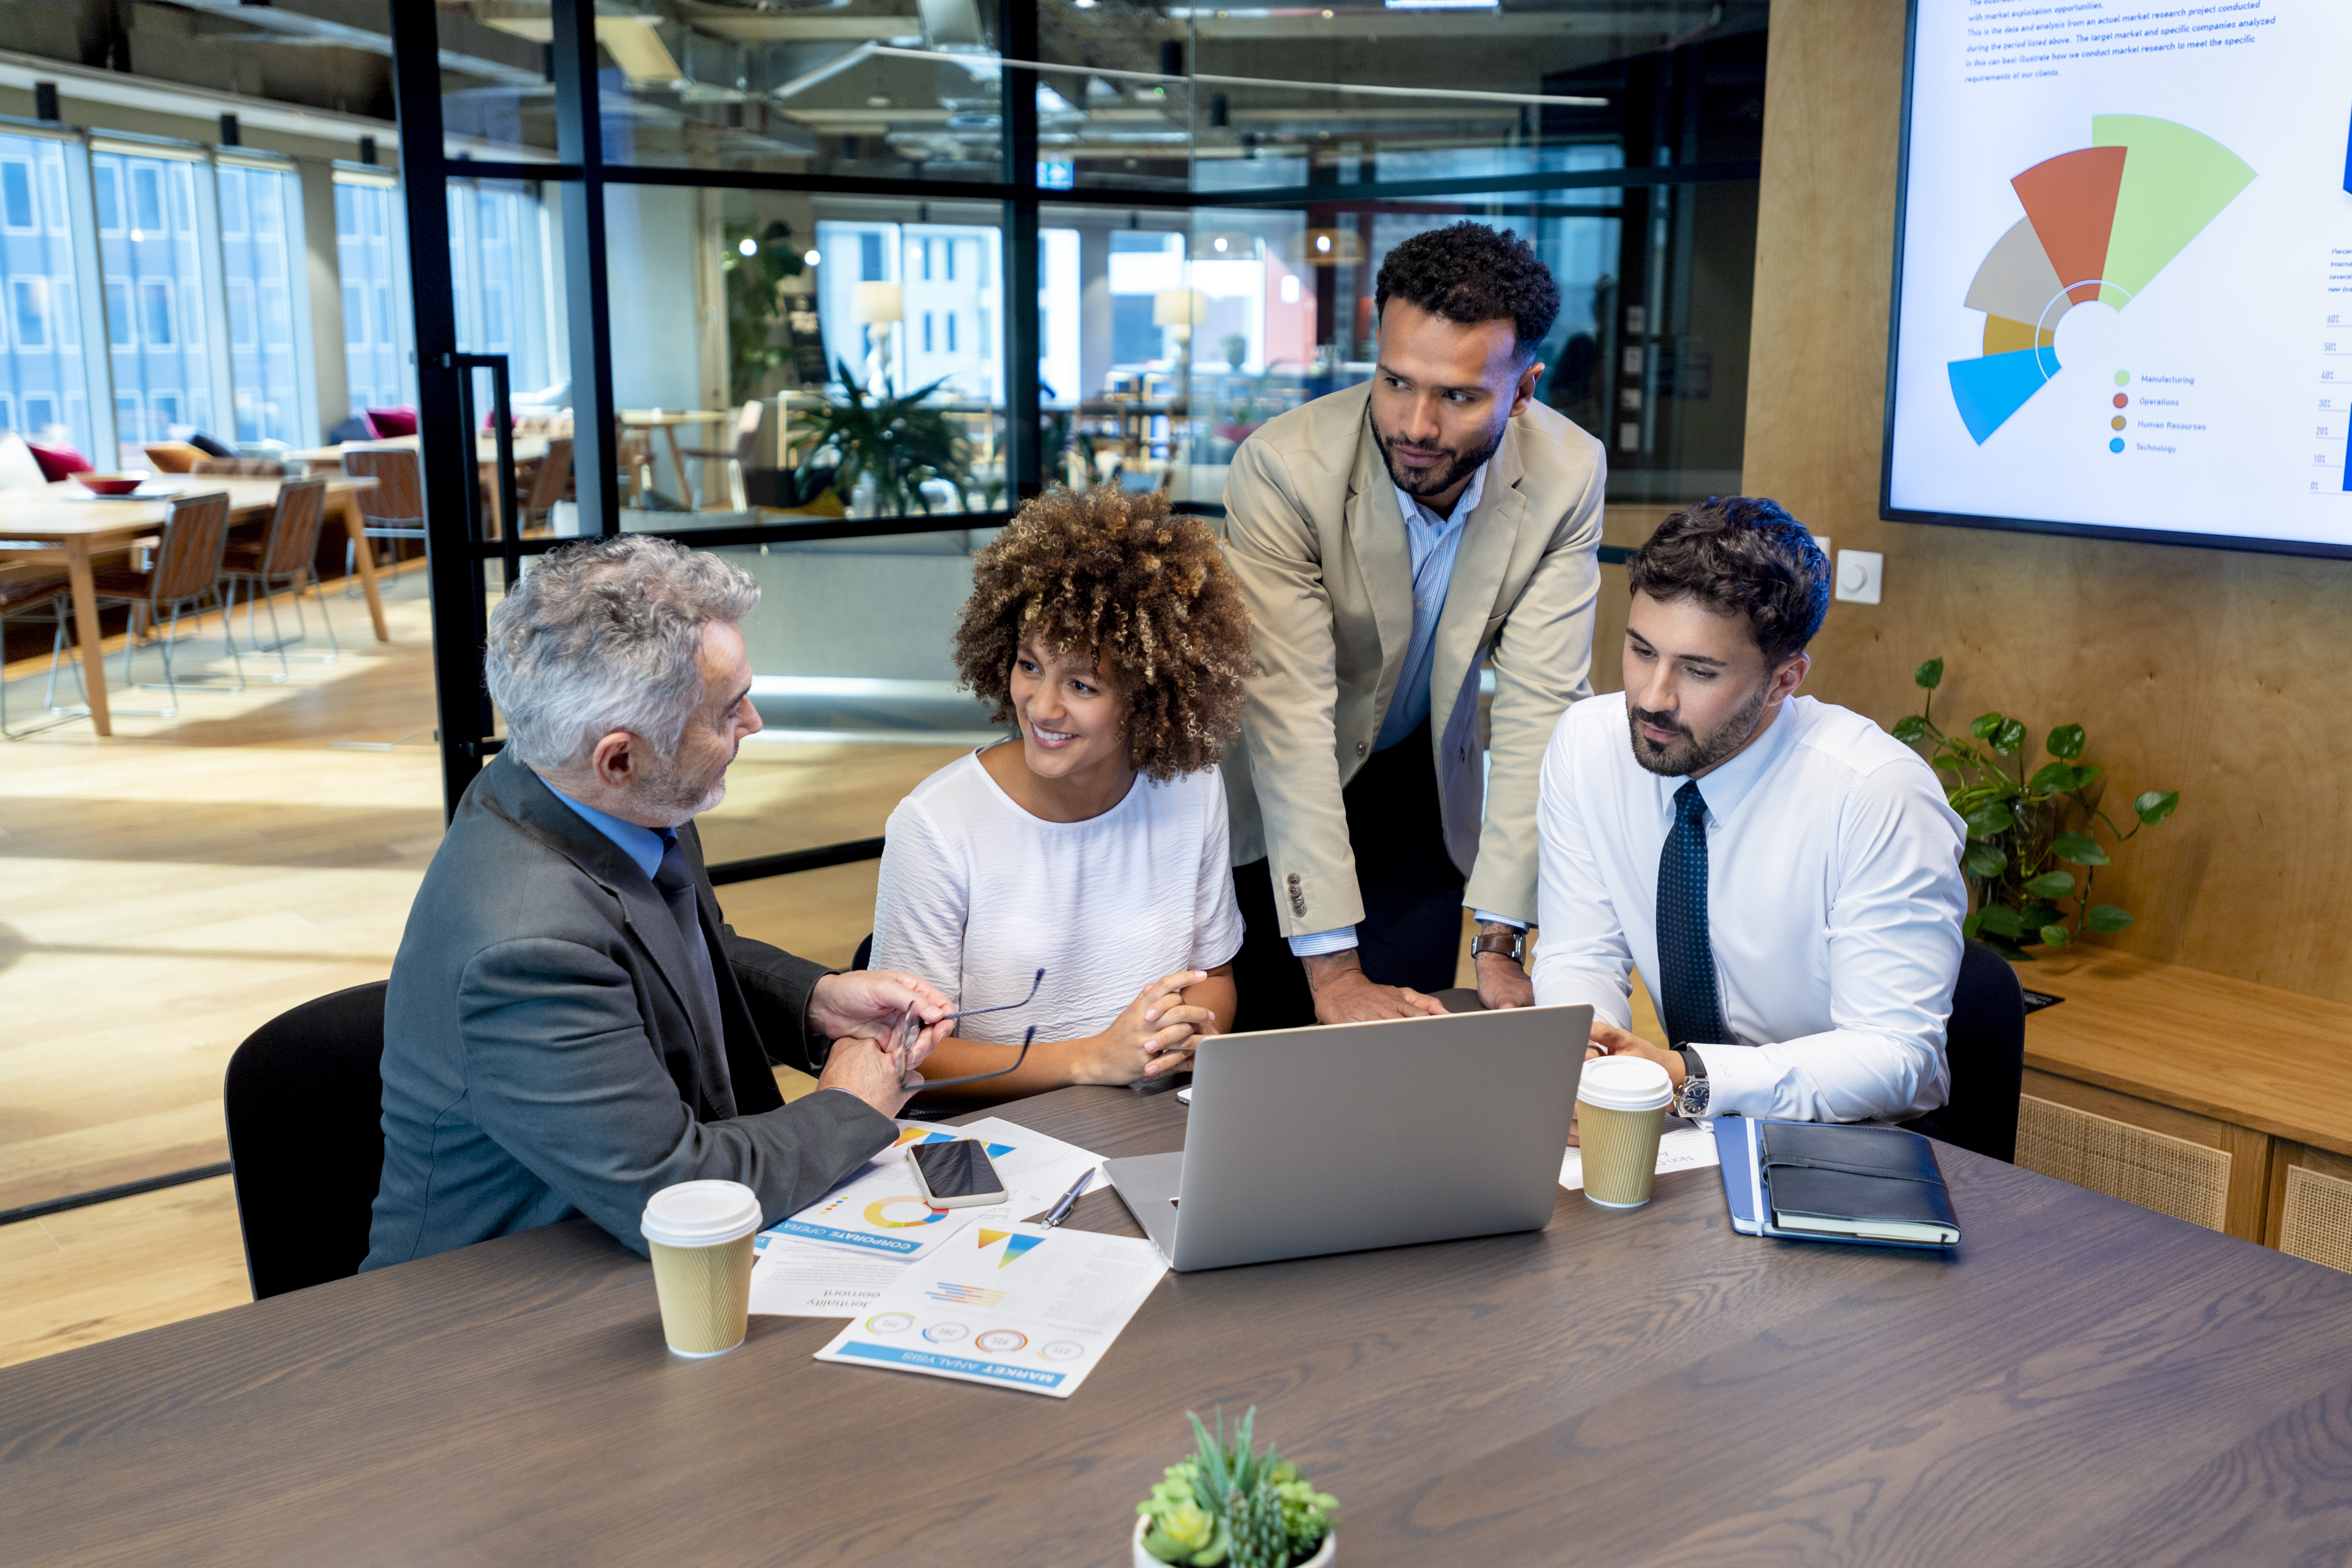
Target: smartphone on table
<point x="959" y="1175"/>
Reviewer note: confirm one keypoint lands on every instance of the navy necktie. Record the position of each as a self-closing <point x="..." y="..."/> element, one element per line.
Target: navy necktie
<point x="673" y="880"/>
<point x="1694" y="1015"/>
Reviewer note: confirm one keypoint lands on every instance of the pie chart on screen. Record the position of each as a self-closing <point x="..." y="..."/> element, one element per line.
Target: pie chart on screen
<point x="2100" y="223"/>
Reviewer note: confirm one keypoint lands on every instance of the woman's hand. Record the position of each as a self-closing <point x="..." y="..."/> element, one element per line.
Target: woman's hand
<point x="1154" y="1035"/>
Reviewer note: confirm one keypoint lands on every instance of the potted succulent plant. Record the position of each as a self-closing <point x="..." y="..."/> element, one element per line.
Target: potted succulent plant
<point x="1224" y="1505"/>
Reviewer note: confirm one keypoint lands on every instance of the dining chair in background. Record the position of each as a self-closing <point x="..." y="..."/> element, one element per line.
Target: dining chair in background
<point x="283" y="560"/>
<point x="737" y="458"/>
<point x="394" y="509"/>
<point x="186" y="572"/>
<point x="550" y="483"/>
<point x="22" y="596"/>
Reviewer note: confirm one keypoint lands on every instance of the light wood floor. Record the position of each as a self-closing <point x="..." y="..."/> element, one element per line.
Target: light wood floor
<point x="165" y="892"/>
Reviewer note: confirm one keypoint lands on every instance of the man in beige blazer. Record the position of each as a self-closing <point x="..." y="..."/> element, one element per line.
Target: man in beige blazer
<point x="1391" y="540"/>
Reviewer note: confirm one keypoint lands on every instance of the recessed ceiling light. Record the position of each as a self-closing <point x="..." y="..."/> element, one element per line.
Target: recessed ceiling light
<point x="811" y="257"/>
<point x="748" y="246"/>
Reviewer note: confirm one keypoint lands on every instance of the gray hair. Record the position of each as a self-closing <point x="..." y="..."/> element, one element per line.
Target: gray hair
<point x="605" y="635"/>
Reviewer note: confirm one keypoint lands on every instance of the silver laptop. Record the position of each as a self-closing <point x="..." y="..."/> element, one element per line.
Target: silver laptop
<point x="1349" y="1136"/>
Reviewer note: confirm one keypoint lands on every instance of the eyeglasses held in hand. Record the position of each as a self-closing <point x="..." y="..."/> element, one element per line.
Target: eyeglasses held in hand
<point x="911" y="1027"/>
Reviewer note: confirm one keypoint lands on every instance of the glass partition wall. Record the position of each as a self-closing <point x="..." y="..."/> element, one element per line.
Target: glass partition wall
<point x="1039" y="242"/>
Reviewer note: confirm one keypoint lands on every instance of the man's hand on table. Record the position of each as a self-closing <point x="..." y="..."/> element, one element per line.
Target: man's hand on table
<point x="1344" y="994"/>
<point x="1503" y="983"/>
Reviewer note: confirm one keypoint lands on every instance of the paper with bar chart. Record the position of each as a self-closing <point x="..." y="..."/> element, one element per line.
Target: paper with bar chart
<point x="1014" y="1305"/>
<point x="2126" y="287"/>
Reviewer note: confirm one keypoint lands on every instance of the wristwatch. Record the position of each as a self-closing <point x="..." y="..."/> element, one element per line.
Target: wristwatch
<point x="1513" y="947"/>
<point x="1691" y="1099"/>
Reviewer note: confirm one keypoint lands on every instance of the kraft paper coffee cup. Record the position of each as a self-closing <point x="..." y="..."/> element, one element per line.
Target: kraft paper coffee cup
<point x="1621" y="1108"/>
<point x="699" y="1233"/>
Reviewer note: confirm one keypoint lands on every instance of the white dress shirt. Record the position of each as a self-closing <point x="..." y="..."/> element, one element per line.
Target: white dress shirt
<point x="1435" y="542"/>
<point x="1834" y="900"/>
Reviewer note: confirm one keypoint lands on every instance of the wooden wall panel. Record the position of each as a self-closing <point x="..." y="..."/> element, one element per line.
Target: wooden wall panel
<point x="2216" y="673"/>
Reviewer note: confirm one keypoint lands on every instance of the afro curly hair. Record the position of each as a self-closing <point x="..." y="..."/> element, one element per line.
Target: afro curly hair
<point x="1112" y="571"/>
<point x="1469" y="273"/>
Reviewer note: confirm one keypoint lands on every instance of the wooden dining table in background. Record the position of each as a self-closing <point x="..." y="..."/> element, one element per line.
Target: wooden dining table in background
<point x="528" y="449"/>
<point x="667" y="421"/>
<point x="63" y="524"/>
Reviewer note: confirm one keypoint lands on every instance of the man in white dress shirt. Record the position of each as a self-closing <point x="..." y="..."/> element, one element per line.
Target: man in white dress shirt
<point x="1784" y="874"/>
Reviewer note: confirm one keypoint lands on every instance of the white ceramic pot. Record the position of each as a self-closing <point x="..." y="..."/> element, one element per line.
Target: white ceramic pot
<point x="1324" y="1555"/>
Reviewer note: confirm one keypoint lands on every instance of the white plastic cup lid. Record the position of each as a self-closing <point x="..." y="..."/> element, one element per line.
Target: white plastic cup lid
<point x="701" y="1214"/>
<point x="1624" y="1083"/>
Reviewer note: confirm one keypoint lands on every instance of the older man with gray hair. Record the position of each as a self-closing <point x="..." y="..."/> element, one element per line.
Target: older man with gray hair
<point x="571" y="1026"/>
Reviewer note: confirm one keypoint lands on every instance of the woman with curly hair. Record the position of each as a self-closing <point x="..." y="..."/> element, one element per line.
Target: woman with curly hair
<point x="1094" y="847"/>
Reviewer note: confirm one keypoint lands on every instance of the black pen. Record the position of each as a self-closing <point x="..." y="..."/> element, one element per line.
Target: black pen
<point x="1061" y="1210"/>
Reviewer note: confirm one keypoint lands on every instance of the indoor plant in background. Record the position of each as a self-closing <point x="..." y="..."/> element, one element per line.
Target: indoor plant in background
<point x="1224" y="1505"/>
<point x="2025" y="832"/>
<point x="892" y="441"/>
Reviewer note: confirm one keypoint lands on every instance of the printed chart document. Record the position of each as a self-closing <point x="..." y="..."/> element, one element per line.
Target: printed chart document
<point x="802" y="1279"/>
<point x="880" y="1212"/>
<point x="1680" y="1149"/>
<point x="1014" y="1305"/>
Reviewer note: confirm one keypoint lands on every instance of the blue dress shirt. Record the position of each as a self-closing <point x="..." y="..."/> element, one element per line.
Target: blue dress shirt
<point x="1435" y="541"/>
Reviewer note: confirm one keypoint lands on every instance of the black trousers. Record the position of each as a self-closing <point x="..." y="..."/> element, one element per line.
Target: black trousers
<point x="1411" y="930"/>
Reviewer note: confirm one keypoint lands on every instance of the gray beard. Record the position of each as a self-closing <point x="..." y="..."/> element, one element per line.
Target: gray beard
<point x="676" y="799"/>
<point x="1694" y="754"/>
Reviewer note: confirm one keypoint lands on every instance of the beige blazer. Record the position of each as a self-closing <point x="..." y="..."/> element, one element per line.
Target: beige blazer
<point x="1316" y="537"/>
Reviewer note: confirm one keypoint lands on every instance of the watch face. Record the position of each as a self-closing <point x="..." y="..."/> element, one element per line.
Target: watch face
<point x="1692" y="1100"/>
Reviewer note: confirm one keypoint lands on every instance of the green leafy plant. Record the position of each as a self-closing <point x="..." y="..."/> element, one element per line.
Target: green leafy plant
<point x="2020" y="840"/>
<point x="897" y="440"/>
<point x="755" y="303"/>
<point x="1226" y="1505"/>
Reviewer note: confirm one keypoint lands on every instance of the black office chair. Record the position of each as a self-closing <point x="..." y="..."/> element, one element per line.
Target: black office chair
<point x="304" y="1098"/>
<point x="1985" y="1048"/>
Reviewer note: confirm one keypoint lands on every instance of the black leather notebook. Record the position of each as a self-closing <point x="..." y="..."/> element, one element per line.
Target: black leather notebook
<point x="1855" y="1184"/>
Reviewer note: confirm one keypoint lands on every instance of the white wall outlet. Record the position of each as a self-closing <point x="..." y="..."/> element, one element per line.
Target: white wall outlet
<point x="1859" y="574"/>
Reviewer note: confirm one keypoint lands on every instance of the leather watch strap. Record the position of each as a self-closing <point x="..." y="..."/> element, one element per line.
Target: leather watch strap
<point x="1510" y="946"/>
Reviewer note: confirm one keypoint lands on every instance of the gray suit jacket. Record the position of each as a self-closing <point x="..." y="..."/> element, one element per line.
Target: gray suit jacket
<point x="540" y="1057"/>
<point x="1315" y="536"/>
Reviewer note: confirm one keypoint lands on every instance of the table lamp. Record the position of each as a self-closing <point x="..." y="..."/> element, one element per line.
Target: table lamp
<point x="878" y="306"/>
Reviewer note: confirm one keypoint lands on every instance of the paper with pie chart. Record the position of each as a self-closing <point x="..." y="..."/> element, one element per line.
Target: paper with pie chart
<point x="1013" y="1306"/>
<point x="2123" y="297"/>
<point x="879" y="1210"/>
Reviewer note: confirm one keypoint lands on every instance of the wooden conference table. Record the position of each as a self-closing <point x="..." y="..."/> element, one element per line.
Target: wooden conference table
<point x="70" y="528"/>
<point x="2083" y="1383"/>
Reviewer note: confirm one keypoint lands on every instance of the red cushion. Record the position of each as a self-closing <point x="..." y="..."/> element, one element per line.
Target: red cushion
<point x="386" y="423"/>
<point x="58" y="462"/>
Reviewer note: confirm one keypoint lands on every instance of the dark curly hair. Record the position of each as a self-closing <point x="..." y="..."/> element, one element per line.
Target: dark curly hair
<point x="1469" y="273"/>
<point x="1743" y="556"/>
<point x="1113" y="571"/>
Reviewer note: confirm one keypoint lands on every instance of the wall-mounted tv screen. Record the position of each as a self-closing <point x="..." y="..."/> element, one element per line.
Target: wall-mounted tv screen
<point x="2123" y="286"/>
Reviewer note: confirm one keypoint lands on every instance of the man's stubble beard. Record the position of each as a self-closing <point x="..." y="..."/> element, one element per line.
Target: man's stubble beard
<point x="1442" y="479"/>
<point x="1694" y="753"/>
<point x="668" y="792"/>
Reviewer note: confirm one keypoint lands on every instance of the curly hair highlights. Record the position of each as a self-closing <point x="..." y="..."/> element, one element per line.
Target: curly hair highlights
<point x="1469" y="273"/>
<point x="1114" y="572"/>
<point x="1744" y="556"/>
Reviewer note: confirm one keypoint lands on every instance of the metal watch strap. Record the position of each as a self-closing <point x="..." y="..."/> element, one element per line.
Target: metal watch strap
<point x="1686" y="1102"/>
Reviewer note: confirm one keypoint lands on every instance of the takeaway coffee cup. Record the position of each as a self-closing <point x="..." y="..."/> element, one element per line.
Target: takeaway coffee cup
<point x="700" y="1237"/>
<point x="1621" y="1108"/>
